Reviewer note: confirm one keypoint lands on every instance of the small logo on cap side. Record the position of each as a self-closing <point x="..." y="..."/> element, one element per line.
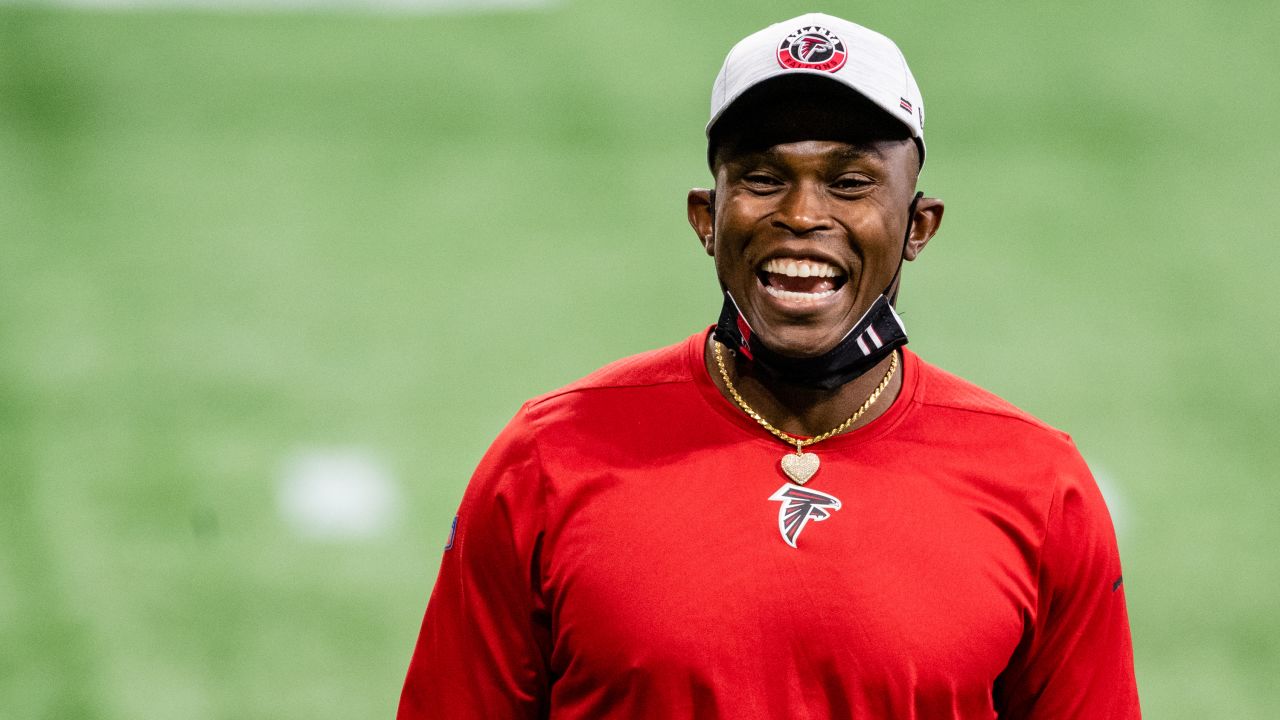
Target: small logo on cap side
<point x="812" y="48"/>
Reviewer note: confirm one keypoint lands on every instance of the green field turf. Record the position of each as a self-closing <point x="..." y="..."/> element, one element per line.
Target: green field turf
<point x="226" y="237"/>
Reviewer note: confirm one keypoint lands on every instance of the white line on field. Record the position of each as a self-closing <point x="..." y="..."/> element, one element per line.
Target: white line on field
<point x="409" y="7"/>
<point x="337" y="494"/>
<point x="1116" y="503"/>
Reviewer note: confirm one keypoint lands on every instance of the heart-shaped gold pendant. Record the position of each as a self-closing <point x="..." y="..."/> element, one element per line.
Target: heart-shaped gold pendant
<point x="800" y="466"/>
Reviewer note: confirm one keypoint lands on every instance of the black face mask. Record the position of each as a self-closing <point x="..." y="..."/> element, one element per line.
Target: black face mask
<point x="876" y="334"/>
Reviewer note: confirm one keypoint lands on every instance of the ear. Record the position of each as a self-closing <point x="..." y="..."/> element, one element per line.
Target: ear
<point x="924" y="224"/>
<point x="702" y="218"/>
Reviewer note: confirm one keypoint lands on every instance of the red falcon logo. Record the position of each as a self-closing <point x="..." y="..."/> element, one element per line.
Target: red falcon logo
<point x="810" y="44"/>
<point x="812" y="48"/>
<point x="745" y="330"/>
<point x="799" y="506"/>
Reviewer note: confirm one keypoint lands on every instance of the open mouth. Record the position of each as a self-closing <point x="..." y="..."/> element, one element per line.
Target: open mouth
<point x="800" y="280"/>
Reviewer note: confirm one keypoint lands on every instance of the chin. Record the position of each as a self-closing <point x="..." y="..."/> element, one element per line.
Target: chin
<point x="801" y="341"/>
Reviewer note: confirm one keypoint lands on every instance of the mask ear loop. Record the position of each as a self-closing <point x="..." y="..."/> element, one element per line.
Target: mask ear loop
<point x="902" y="256"/>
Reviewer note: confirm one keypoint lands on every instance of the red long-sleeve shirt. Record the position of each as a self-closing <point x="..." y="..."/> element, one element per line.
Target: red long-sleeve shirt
<point x="620" y="553"/>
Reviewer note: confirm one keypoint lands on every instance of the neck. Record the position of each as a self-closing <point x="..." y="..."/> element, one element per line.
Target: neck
<point x="799" y="410"/>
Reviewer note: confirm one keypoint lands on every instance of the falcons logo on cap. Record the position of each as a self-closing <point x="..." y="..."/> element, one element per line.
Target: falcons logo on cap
<point x="799" y="506"/>
<point x="812" y="48"/>
<point x="810" y="45"/>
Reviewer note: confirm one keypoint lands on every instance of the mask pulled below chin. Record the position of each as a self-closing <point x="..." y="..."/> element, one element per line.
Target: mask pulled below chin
<point x="879" y="332"/>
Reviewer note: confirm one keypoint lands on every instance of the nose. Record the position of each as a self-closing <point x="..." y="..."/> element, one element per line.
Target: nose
<point x="802" y="209"/>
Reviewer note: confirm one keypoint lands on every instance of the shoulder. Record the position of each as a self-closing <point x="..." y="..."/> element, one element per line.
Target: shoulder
<point x="950" y="395"/>
<point x="1014" y="450"/>
<point x="664" y="366"/>
<point x="1019" y="457"/>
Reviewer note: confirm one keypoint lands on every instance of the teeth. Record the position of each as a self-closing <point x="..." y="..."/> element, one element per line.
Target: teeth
<point x="801" y="268"/>
<point x="788" y="295"/>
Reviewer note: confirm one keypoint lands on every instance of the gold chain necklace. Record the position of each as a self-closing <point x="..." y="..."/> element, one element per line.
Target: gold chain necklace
<point x="802" y="466"/>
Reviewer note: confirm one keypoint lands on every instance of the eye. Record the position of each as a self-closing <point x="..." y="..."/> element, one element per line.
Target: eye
<point x="758" y="182"/>
<point x="851" y="183"/>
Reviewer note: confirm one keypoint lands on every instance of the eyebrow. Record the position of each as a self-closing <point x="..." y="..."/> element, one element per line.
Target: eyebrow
<point x="858" y="151"/>
<point x="852" y="151"/>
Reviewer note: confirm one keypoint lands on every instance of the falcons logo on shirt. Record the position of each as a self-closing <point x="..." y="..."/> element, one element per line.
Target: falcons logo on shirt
<point x="799" y="506"/>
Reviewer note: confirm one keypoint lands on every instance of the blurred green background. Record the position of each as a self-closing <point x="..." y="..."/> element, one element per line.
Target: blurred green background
<point x="234" y="239"/>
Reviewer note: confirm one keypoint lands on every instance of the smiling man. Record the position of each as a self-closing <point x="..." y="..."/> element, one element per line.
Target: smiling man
<point x="788" y="515"/>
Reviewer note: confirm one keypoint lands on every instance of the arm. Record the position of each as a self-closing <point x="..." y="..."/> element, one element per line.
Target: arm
<point x="485" y="639"/>
<point x="1076" y="659"/>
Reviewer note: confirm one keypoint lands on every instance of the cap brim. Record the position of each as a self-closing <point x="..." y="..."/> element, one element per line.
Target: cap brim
<point x="778" y="82"/>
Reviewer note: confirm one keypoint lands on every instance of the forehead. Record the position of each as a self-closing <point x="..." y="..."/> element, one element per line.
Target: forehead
<point x="893" y="162"/>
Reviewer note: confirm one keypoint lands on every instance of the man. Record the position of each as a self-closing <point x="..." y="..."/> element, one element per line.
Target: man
<point x="791" y="515"/>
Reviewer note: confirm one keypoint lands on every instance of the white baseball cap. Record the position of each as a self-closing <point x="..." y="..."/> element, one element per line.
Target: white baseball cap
<point x="821" y="45"/>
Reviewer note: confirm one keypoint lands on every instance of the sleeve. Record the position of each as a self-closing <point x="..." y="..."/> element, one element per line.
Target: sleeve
<point x="485" y="640"/>
<point x="1076" y="660"/>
